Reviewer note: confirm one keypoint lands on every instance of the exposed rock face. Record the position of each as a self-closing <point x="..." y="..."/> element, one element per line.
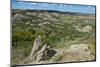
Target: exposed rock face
<point x="76" y="52"/>
<point x="36" y="46"/>
<point x="39" y="53"/>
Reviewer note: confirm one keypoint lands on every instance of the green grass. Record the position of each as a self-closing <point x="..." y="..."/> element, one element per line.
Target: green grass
<point x="57" y="34"/>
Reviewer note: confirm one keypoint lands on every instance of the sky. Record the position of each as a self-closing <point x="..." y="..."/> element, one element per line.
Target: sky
<point x="54" y="6"/>
<point x="88" y="2"/>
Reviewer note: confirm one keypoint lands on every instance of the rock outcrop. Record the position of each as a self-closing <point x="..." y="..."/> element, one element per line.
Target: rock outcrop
<point x="39" y="52"/>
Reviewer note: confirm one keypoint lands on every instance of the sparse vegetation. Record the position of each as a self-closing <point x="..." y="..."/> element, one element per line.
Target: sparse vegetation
<point x="57" y="29"/>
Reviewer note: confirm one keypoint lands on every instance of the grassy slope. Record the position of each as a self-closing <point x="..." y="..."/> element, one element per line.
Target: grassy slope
<point x="57" y="29"/>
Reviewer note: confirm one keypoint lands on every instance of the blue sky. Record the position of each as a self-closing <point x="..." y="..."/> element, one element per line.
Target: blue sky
<point x="57" y="7"/>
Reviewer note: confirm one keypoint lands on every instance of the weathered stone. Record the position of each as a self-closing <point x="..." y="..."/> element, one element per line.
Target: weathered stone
<point x="36" y="46"/>
<point x="41" y="53"/>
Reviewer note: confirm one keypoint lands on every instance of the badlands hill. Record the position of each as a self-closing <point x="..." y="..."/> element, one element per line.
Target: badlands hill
<point x="66" y="32"/>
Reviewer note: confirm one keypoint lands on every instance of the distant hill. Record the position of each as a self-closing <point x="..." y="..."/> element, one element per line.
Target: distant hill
<point x="55" y="11"/>
<point x="57" y="29"/>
